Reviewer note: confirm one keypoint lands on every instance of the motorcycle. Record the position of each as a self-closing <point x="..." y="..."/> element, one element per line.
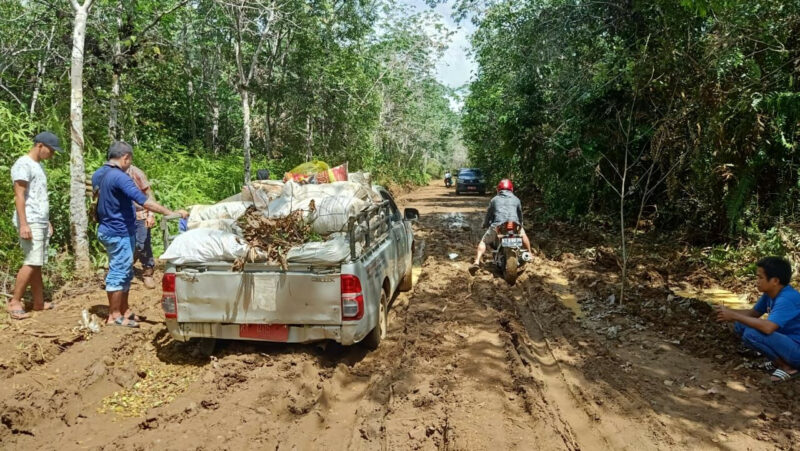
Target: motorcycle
<point x="508" y="253"/>
<point x="448" y="180"/>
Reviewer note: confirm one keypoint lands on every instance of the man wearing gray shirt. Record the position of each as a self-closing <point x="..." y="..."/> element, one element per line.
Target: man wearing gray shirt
<point x="32" y="219"/>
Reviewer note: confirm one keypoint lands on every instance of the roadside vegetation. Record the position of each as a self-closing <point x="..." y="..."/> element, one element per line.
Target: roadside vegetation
<point x="209" y="91"/>
<point x="679" y="118"/>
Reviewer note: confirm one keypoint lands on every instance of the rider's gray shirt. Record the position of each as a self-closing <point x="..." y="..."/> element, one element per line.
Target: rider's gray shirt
<point x="504" y="207"/>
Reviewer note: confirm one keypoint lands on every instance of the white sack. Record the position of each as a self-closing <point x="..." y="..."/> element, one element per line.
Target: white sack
<point x="262" y="192"/>
<point x="226" y="225"/>
<point x="204" y="246"/>
<point x="333" y="213"/>
<point x="295" y="197"/>
<point x="333" y="251"/>
<point x="222" y="210"/>
<point x="302" y="192"/>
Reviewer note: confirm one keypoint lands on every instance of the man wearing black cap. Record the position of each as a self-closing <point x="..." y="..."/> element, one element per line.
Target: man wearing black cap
<point x="32" y="219"/>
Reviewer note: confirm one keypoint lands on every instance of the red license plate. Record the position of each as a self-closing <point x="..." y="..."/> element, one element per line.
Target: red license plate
<point x="271" y="332"/>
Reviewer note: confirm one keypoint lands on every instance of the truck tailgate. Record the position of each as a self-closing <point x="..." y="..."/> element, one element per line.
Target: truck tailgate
<point x="258" y="297"/>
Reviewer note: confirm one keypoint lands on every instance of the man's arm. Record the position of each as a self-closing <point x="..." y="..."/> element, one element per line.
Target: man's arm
<point x="519" y="212"/>
<point x="140" y="198"/>
<point x="152" y="205"/>
<point x="19" y="202"/>
<point x="749" y="318"/>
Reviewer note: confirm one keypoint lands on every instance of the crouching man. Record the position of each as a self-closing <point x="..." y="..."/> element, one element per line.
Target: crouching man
<point x="777" y="336"/>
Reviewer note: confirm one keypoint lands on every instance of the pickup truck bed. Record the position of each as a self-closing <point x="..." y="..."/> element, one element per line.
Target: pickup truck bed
<point x="344" y="302"/>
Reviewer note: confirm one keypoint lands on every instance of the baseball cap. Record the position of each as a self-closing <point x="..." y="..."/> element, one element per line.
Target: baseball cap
<point x="48" y="139"/>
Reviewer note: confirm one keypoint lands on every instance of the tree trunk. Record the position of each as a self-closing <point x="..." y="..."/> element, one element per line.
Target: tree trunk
<point x="309" y="137"/>
<point x="268" y="132"/>
<point x="215" y="127"/>
<point x="79" y="223"/>
<point x="113" y="112"/>
<point x="116" y="69"/>
<point x="246" y="132"/>
<point x="190" y="95"/>
<point x="41" y="66"/>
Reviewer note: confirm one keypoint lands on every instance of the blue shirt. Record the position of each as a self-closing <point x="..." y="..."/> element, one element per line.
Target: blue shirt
<point x="115" y="210"/>
<point x="784" y="311"/>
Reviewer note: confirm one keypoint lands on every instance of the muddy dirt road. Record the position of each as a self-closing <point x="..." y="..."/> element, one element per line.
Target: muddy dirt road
<point x="469" y="363"/>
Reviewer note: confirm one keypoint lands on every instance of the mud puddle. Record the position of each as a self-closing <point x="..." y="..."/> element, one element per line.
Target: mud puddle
<point x="717" y="296"/>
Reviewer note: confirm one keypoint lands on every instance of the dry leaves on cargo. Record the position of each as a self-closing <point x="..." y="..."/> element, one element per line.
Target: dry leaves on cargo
<point x="272" y="237"/>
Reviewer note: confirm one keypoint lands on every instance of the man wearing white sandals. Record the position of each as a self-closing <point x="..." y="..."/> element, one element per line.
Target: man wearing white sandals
<point x="777" y="336"/>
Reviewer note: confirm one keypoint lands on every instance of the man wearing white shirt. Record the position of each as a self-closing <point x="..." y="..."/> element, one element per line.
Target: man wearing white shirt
<point x="32" y="219"/>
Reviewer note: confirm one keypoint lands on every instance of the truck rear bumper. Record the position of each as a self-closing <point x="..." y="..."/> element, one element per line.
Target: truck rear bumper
<point x="345" y="335"/>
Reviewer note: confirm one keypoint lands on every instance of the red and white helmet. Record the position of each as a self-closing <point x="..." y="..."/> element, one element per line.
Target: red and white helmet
<point x="505" y="184"/>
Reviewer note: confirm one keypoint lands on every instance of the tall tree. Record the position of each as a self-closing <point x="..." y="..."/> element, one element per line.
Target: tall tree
<point x="252" y="22"/>
<point x="79" y="222"/>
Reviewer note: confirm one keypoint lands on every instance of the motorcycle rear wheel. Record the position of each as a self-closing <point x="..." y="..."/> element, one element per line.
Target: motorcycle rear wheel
<point x="510" y="272"/>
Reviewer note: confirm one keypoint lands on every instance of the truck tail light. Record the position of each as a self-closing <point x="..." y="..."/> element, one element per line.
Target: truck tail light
<point x="352" y="298"/>
<point x="169" y="302"/>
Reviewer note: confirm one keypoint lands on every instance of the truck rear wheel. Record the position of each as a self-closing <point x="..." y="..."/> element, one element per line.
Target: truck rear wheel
<point x="204" y="347"/>
<point x="374" y="338"/>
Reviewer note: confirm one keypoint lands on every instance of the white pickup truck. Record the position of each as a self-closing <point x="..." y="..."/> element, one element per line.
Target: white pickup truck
<point x="346" y="301"/>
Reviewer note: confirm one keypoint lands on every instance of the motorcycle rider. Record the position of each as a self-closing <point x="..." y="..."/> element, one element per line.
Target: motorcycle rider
<point x="504" y="207"/>
<point x="448" y="179"/>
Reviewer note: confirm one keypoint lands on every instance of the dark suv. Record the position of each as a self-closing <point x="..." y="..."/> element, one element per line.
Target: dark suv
<point x="470" y="180"/>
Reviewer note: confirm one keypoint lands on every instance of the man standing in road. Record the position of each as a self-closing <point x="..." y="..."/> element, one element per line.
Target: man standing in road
<point x="116" y="214"/>
<point x="32" y="219"/>
<point x="145" y="220"/>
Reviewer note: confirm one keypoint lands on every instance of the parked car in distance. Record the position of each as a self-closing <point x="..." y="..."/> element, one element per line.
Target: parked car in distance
<point x="470" y="180"/>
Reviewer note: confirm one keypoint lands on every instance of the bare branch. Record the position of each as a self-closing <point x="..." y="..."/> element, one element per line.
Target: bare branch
<point x="12" y="95"/>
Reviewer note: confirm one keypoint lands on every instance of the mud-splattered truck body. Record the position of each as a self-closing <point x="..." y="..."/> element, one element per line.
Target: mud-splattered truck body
<point x="345" y="301"/>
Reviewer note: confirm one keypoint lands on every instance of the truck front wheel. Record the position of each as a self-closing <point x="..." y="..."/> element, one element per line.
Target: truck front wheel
<point x="374" y="338"/>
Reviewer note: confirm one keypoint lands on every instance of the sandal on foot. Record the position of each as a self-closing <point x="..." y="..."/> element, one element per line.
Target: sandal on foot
<point x="120" y="321"/>
<point x="18" y="314"/>
<point x="768" y="366"/>
<point x="134" y="317"/>
<point x="783" y="376"/>
<point x="47" y="306"/>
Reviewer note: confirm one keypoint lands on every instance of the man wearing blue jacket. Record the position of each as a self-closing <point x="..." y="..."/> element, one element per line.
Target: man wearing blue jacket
<point x="116" y="214"/>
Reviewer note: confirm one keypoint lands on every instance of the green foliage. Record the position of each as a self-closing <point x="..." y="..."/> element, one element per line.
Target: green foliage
<point x="335" y="81"/>
<point x="694" y="102"/>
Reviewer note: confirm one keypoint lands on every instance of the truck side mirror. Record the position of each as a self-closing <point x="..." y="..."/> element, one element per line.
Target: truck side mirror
<point x="411" y="214"/>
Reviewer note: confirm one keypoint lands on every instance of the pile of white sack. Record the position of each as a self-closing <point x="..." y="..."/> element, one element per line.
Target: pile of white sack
<point x="214" y="235"/>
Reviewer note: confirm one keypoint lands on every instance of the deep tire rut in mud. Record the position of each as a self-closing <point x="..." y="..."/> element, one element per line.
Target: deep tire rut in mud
<point x="469" y="362"/>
